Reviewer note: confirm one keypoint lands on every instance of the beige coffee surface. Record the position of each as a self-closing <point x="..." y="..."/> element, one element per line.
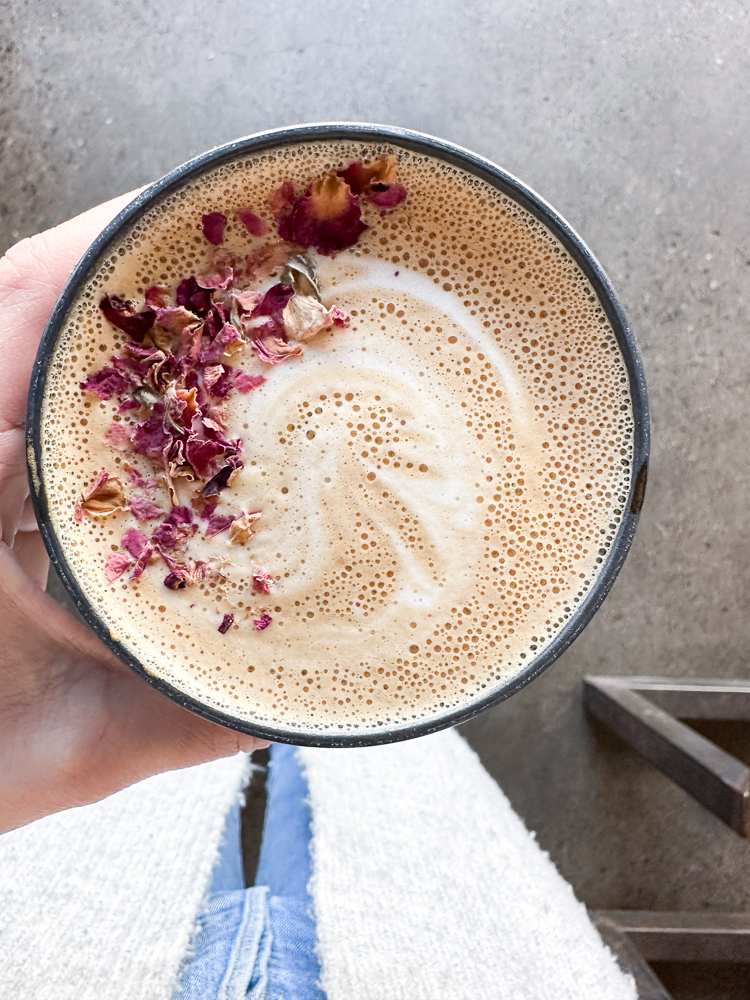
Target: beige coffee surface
<point x="439" y="483"/>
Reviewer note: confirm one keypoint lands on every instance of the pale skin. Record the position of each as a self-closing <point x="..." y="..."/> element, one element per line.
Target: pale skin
<point x="76" y="724"/>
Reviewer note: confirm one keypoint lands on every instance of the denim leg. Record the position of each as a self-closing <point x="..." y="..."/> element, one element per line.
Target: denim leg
<point x="259" y="943"/>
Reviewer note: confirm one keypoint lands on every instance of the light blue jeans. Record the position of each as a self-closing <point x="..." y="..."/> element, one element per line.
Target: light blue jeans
<point x="259" y="943"/>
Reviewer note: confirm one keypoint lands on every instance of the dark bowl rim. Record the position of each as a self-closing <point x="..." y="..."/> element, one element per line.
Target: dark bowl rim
<point x="464" y="159"/>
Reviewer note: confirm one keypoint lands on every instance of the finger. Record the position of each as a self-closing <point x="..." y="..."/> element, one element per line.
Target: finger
<point x="32" y="275"/>
<point x="29" y="550"/>
<point x="27" y="521"/>
<point x="14" y="480"/>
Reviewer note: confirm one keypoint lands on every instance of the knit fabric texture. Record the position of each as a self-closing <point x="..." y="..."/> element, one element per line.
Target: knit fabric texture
<point x="427" y="886"/>
<point x="100" y="903"/>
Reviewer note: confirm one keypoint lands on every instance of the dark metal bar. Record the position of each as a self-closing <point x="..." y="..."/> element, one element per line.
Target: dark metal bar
<point x="715" y="778"/>
<point x="695" y="697"/>
<point x="683" y="937"/>
<point x="629" y="958"/>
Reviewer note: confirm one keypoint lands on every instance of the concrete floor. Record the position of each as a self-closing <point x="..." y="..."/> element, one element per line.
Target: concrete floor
<point x="632" y="119"/>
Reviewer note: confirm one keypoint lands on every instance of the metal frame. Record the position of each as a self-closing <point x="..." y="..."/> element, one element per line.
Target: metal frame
<point x="638" y="937"/>
<point x="651" y="725"/>
<point x="422" y="144"/>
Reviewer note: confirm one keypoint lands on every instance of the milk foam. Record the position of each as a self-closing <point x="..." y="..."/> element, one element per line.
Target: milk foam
<point x="440" y="483"/>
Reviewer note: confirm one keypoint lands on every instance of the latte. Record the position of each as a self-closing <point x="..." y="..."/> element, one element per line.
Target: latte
<point x="438" y="483"/>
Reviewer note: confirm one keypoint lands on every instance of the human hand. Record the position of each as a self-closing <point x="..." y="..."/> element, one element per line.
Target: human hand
<point x="75" y="723"/>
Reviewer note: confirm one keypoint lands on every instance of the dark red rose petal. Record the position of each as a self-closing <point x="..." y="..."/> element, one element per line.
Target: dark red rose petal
<point x="273" y="301"/>
<point x="207" y="507"/>
<point x="251" y="222"/>
<point x="327" y="217"/>
<point x="263" y="622"/>
<point x="224" y="384"/>
<point x="219" y="523"/>
<point x="150" y="437"/>
<point x="123" y="314"/>
<point x="387" y="197"/>
<point x="226" y="623"/>
<point x="191" y="296"/>
<point x="214" y="224"/>
<point x="174" y="529"/>
<point x="282" y="200"/>
<point x="106" y="383"/>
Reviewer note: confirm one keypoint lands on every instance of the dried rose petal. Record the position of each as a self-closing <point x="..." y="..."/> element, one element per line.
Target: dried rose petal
<point x="388" y="198"/>
<point x="157" y="297"/>
<point x="327" y="217"/>
<point x="190" y="295"/>
<point x="281" y="201"/>
<point x="176" y="318"/>
<point x="186" y="574"/>
<point x="115" y="566"/>
<point x="144" y="509"/>
<point x="247" y="301"/>
<point x="361" y="176"/>
<point x="263" y="622"/>
<point x="241" y="530"/>
<point x="273" y="350"/>
<point x="206" y="444"/>
<point x="222" y="343"/>
<point x="268" y="258"/>
<point x="304" y="317"/>
<point x="138" y="545"/>
<point x="218" y="279"/>
<point x="135" y="542"/>
<point x="142" y="562"/>
<point x="150" y="437"/>
<point x="376" y="181"/>
<point x="262" y="581"/>
<point x="136" y="479"/>
<point x="219" y="523"/>
<point x="120" y="437"/>
<point x="273" y="301"/>
<point x="123" y="314"/>
<point x="226" y="623"/>
<point x="224" y="383"/>
<point x="214" y="224"/>
<point x="251" y="222"/>
<point x="106" y="383"/>
<point x="223" y="478"/>
<point x="245" y="383"/>
<point x="174" y="529"/>
<point x="211" y="375"/>
<point x="101" y="497"/>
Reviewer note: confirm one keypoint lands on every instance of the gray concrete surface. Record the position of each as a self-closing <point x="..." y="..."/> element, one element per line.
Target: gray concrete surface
<point x="633" y="120"/>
